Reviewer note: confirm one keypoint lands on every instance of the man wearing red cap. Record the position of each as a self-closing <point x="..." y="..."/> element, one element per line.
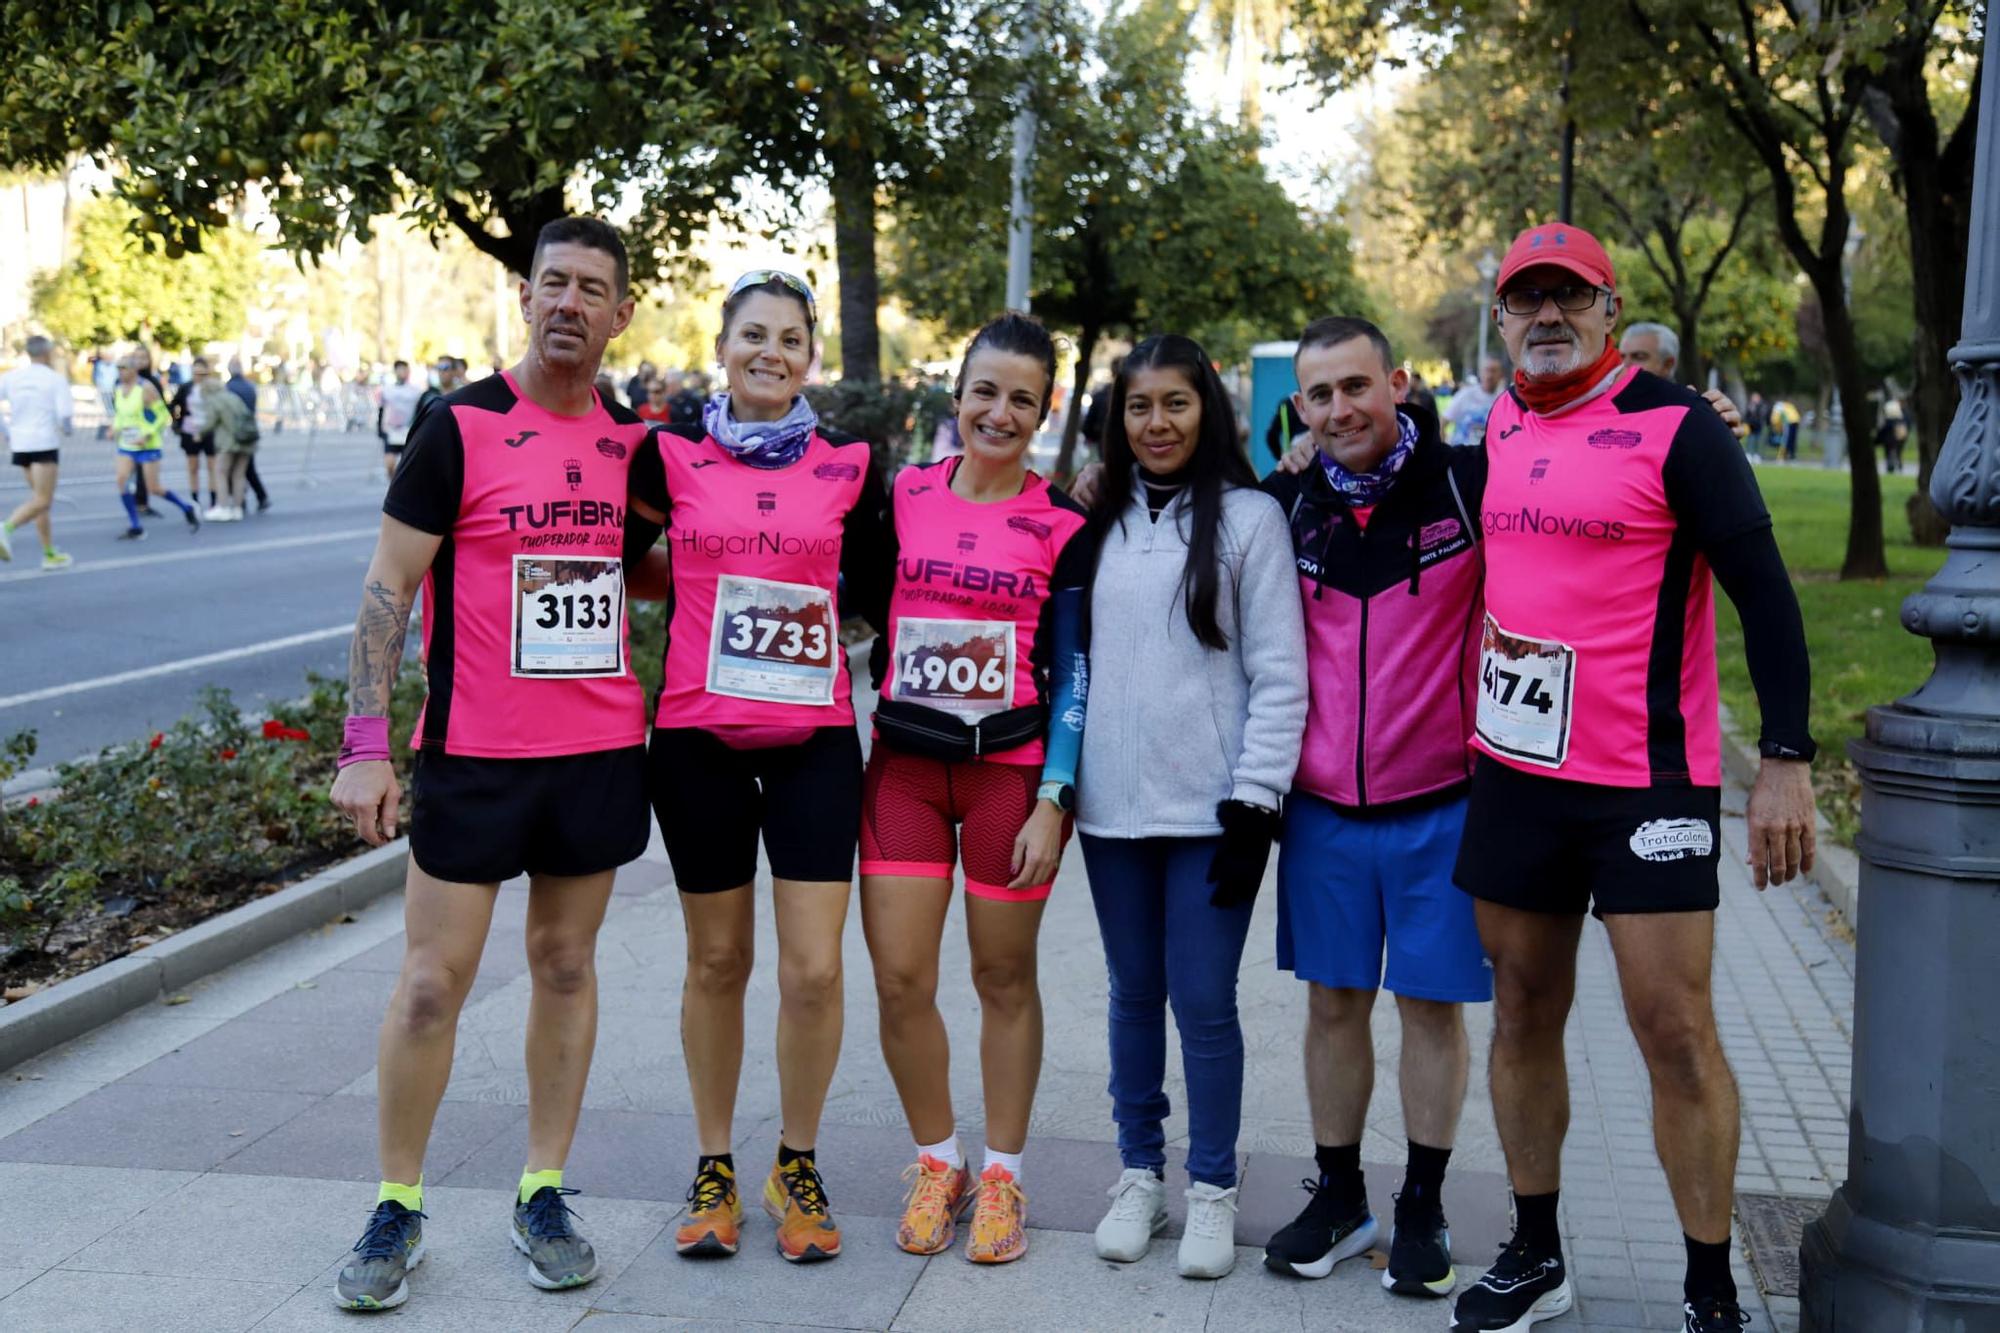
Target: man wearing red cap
<point x="1611" y="496"/>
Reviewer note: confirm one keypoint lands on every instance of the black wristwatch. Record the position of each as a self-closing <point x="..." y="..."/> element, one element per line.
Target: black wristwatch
<point x="1061" y="794"/>
<point x="1779" y="750"/>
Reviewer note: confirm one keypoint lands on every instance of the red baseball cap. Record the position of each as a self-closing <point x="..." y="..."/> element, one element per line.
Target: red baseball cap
<point x="1559" y="244"/>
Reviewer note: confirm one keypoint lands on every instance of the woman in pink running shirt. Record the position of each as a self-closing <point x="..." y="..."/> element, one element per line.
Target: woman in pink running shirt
<point x="976" y="742"/>
<point x="777" y="529"/>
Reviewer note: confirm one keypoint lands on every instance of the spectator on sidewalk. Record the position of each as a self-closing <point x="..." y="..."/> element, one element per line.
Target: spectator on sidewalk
<point x="1757" y="417"/>
<point x="1785" y="429"/>
<point x="658" y="404"/>
<point x="39" y="410"/>
<point x="104" y="378"/>
<point x="687" y="403"/>
<point x="1653" y="347"/>
<point x="635" y="388"/>
<point x="246" y="393"/>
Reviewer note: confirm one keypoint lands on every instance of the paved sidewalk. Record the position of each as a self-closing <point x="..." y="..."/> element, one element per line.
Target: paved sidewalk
<point x="205" y="1164"/>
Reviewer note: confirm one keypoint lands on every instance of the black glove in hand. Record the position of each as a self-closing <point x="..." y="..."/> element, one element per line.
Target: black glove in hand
<point x="1237" y="871"/>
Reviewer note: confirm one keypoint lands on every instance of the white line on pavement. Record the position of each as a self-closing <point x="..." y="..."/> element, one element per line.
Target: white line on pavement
<point x="152" y="558"/>
<point x="185" y="664"/>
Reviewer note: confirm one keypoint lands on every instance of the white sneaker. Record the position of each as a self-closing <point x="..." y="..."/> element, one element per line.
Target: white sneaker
<point x="1138" y="1213"/>
<point x="236" y="513"/>
<point x="1208" y="1246"/>
<point x="216" y="513"/>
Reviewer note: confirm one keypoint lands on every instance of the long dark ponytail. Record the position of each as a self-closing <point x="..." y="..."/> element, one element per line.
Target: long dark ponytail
<point x="1216" y="465"/>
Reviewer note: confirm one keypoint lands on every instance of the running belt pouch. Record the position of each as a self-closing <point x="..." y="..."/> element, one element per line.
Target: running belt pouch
<point x="935" y="734"/>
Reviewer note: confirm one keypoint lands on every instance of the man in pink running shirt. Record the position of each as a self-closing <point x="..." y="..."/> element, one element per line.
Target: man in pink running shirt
<point x="509" y="510"/>
<point x="1614" y="501"/>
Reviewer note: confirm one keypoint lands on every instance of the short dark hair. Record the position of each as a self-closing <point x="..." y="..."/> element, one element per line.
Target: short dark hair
<point x="1021" y="335"/>
<point x="400" y="364"/>
<point x="1333" y="330"/>
<point x="592" y="233"/>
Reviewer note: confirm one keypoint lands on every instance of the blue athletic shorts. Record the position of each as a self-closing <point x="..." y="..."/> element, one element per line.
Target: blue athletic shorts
<point x="1349" y="887"/>
<point x="140" y="455"/>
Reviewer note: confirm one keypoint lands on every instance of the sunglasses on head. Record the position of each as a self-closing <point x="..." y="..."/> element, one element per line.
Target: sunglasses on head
<point x="757" y="277"/>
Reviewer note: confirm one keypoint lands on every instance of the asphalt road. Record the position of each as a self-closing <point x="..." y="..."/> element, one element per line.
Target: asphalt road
<point x="119" y="644"/>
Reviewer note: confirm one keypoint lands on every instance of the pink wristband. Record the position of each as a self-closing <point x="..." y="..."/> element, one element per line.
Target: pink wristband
<point x="366" y="738"/>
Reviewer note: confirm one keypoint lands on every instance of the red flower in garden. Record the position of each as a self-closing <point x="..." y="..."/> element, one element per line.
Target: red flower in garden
<point x="227" y="754"/>
<point x="275" y="730"/>
<point x="154" y="743"/>
<point x="272" y="728"/>
<point x="34" y="801"/>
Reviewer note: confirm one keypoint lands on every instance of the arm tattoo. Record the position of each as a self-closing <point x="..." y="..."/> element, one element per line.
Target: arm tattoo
<point x="377" y="651"/>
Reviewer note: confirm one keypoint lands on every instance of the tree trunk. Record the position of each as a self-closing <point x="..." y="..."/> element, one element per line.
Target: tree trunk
<point x="1691" y="368"/>
<point x="1865" y="558"/>
<point x="854" y="248"/>
<point x="1940" y="218"/>
<point x="524" y="218"/>
<point x="1086" y="343"/>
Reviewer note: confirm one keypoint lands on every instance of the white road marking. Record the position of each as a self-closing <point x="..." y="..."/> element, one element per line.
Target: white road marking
<point x="207" y="552"/>
<point x="184" y="664"/>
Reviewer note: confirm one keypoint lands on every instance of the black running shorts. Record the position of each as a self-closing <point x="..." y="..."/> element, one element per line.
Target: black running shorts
<point x="712" y="802"/>
<point x="197" y="445"/>
<point x="480" y="821"/>
<point x="1546" y="844"/>
<point x="33" y="456"/>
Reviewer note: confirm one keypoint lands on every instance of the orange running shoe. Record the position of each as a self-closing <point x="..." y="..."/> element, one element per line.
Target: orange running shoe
<point x="999" y="1219"/>
<point x="714" y="1214"/>
<point x="938" y="1196"/>
<point x="796" y="1197"/>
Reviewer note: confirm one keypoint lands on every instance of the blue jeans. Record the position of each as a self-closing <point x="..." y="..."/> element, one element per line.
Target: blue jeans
<point x="1164" y="942"/>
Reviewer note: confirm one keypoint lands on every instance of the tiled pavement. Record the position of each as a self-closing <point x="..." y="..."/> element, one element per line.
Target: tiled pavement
<point x="205" y="1164"/>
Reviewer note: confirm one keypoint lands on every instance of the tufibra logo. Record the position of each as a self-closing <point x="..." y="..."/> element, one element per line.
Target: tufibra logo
<point x="1033" y="527"/>
<point x="611" y="448"/>
<point x="1530" y="520"/>
<point x="837" y="471"/>
<point x="1616" y="439"/>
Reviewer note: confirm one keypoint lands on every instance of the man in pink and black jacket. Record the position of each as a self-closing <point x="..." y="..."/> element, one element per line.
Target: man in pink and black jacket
<point x="1389" y="567"/>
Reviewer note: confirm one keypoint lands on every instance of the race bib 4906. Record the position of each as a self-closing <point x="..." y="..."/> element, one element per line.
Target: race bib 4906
<point x="1525" y="688"/>
<point x="962" y="666"/>
<point x="773" y="641"/>
<point x="569" y="616"/>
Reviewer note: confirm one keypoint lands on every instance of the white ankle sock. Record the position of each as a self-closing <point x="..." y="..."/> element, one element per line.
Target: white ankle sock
<point x="1009" y="1160"/>
<point x="946" y="1152"/>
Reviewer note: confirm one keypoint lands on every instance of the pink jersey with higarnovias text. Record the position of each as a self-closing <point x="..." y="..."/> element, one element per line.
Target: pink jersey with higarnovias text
<point x="971" y="582"/>
<point x="524" y="632"/>
<point x="1594" y="579"/>
<point x="753" y="644"/>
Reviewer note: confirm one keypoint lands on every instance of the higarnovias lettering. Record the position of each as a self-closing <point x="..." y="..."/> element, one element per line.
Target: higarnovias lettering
<point x="753" y="543"/>
<point x="1554" y="525"/>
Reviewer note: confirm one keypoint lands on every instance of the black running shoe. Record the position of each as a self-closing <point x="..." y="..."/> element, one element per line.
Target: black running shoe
<point x="1521" y="1290"/>
<point x="132" y="535"/>
<point x="1713" y="1314"/>
<point x="1420" y="1251"/>
<point x="1321" y="1236"/>
<point x="193" y="518"/>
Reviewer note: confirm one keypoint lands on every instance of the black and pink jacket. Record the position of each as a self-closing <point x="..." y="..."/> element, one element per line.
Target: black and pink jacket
<point x="1392" y="614"/>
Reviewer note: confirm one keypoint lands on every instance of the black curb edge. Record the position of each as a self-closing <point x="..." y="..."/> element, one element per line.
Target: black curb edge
<point x="73" y="1007"/>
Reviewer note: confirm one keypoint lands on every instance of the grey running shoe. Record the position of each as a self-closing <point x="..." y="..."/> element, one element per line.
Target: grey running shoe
<point x="392" y="1245"/>
<point x="557" y="1256"/>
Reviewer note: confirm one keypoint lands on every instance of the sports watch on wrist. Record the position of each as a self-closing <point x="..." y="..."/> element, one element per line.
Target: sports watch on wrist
<point x="1059" y="794"/>
<point x="1779" y="750"/>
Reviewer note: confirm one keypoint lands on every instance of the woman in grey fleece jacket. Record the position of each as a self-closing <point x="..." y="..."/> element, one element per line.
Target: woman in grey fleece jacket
<point x="1197" y="690"/>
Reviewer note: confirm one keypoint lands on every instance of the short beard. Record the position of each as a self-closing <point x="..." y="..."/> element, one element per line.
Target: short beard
<point x="1570" y="363"/>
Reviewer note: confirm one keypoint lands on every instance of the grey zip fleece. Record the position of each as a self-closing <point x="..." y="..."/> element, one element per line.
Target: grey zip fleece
<point x="1175" y="726"/>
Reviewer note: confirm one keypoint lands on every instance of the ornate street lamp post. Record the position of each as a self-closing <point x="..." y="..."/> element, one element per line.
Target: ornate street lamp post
<point x="1489" y="269"/>
<point x="1911" y="1241"/>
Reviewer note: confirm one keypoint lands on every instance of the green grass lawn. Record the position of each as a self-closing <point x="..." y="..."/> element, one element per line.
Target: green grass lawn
<point x="1861" y="654"/>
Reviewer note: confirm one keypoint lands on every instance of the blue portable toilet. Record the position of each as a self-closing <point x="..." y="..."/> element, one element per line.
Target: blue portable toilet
<point x="1271" y="387"/>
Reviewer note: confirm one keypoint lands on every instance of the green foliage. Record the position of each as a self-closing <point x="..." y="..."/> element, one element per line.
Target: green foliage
<point x="115" y="289"/>
<point x="1148" y="215"/>
<point x="880" y="413"/>
<point x="214" y="804"/>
